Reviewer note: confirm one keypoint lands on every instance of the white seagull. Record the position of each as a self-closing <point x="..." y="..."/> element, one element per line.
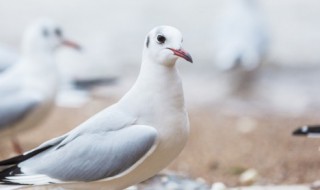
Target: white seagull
<point x="240" y="36"/>
<point x="28" y="88"/>
<point x="308" y="131"/>
<point x="125" y="143"/>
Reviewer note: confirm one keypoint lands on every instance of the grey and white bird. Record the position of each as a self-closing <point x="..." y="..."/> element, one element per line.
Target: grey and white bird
<point x="28" y="88"/>
<point x="125" y="143"/>
<point x="308" y="131"/>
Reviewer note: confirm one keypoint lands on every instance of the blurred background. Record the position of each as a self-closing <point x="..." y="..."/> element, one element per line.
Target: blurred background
<point x="255" y="77"/>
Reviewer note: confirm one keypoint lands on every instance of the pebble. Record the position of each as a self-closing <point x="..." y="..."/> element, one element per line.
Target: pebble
<point x="218" y="186"/>
<point x="248" y="177"/>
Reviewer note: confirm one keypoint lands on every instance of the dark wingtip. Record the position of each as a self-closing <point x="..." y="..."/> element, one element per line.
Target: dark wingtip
<point x="11" y="171"/>
<point x="300" y="132"/>
<point x="20" y="158"/>
<point x="91" y="83"/>
<point x="307" y="130"/>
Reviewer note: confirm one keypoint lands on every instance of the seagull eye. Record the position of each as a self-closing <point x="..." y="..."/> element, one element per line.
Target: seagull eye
<point x="58" y="32"/>
<point x="161" y="39"/>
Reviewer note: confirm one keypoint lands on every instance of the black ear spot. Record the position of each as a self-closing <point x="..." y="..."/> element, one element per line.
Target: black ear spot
<point x="148" y="41"/>
<point x="161" y="39"/>
<point x="45" y="32"/>
<point x="58" y="32"/>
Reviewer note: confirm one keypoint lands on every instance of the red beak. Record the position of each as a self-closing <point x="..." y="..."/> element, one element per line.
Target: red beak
<point x="71" y="44"/>
<point x="182" y="53"/>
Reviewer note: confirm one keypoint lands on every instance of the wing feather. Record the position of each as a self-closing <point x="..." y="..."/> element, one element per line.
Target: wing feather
<point x="92" y="157"/>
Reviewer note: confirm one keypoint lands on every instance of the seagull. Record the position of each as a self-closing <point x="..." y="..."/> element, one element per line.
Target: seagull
<point x="28" y="88"/>
<point x="309" y="131"/>
<point x="240" y="37"/>
<point x="124" y="144"/>
<point x="240" y="41"/>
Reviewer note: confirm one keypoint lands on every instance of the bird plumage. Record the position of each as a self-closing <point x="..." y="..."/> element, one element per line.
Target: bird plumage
<point x="28" y="88"/>
<point x="127" y="142"/>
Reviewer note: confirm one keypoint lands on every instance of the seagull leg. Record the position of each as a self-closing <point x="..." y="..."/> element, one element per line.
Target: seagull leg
<point x="16" y="145"/>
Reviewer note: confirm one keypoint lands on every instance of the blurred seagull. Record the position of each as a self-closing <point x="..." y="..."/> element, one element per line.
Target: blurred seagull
<point x="7" y="57"/>
<point x="27" y="89"/>
<point x="240" y="36"/>
<point x="309" y="131"/>
<point x="125" y="143"/>
<point x="240" y="44"/>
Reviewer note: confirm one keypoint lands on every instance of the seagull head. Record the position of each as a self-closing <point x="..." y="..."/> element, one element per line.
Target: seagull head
<point x="163" y="45"/>
<point x="45" y="36"/>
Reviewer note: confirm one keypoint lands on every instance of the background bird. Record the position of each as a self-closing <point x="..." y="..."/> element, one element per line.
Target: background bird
<point x="240" y="41"/>
<point x="240" y="36"/>
<point x="28" y="88"/>
<point x="308" y="131"/>
<point x="125" y="143"/>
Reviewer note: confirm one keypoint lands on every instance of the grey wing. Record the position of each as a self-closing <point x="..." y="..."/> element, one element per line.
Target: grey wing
<point x="95" y="156"/>
<point x="15" y="107"/>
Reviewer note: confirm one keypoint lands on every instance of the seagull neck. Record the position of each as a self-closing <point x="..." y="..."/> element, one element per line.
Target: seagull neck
<point x="157" y="71"/>
<point x="41" y="60"/>
<point x="156" y="83"/>
<point x="157" y="74"/>
<point x="40" y="66"/>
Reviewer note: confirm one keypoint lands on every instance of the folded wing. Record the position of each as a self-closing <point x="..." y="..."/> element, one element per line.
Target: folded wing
<point x="87" y="157"/>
